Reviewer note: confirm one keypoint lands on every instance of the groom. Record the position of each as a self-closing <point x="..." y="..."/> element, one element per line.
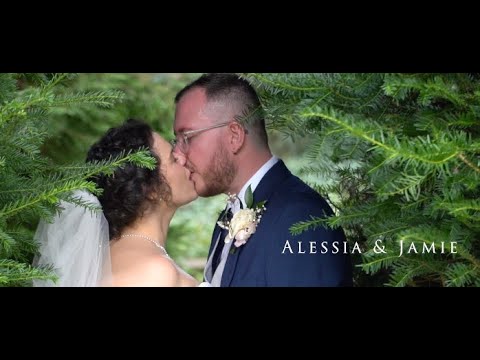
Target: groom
<point x="227" y="152"/>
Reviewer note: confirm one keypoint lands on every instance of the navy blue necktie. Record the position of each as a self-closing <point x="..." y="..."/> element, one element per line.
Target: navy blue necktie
<point x="221" y="241"/>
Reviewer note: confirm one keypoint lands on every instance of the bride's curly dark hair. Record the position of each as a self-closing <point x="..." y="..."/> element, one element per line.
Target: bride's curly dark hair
<point x="128" y="192"/>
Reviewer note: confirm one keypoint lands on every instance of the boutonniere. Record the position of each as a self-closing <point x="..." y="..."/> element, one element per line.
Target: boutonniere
<point x="244" y="223"/>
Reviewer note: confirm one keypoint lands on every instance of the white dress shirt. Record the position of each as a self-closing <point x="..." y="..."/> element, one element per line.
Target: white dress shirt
<point x="254" y="181"/>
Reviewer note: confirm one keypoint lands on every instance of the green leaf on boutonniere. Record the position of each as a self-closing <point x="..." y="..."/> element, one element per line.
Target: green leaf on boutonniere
<point x="249" y="197"/>
<point x="260" y="204"/>
<point x="233" y="249"/>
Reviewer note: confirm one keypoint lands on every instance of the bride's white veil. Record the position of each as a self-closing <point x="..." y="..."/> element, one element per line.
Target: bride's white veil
<point x="76" y="244"/>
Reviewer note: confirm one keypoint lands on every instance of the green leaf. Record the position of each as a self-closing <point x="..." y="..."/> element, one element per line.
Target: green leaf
<point x="249" y="197"/>
<point x="260" y="204"/>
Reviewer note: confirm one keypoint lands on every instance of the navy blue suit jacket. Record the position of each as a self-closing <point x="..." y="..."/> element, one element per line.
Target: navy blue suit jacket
<point x="274" y="257"/>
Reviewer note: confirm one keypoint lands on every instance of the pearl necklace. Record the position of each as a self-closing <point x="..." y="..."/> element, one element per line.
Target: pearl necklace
<point x="148" y="239"/>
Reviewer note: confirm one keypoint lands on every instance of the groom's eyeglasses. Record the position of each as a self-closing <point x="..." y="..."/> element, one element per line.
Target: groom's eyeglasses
<point x="182" y="138"/>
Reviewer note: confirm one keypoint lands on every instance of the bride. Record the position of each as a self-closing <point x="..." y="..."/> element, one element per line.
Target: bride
<point x="124" y="245"/>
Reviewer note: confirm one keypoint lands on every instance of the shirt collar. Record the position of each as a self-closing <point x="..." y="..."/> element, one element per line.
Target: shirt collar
<point x="253" y="181"/>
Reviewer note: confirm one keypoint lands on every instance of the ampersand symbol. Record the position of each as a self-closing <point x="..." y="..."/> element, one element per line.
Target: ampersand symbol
<point x="379" y="249"/>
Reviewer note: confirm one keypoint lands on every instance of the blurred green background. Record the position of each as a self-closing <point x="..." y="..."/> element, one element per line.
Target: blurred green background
<point x="150" y="97"/>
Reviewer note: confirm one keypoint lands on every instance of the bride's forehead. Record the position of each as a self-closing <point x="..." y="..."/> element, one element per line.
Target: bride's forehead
<point x="160" y="145"/>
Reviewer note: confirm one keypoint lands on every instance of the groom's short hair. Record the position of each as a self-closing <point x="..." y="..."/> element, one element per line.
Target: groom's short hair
<point x="238" y="94"/>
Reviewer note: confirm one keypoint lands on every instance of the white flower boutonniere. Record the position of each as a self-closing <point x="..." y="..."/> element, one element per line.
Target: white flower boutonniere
<point x="244" y="222"/>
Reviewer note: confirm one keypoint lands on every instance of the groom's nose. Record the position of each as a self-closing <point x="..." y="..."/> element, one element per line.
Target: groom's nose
<point x="180" y="158"/>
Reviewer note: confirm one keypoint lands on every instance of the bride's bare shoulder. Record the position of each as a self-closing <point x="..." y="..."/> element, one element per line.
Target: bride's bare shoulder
<point x="149" y="271"/>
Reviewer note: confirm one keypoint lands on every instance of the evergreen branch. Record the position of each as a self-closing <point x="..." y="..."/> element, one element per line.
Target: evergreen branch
<point x="380" y="165"/>
<point x="79" y="201"/>
<point x="462" y="120"/>
<point x="460" y="274"/>
<point x="11" y="110"/>
<point x="85" y="171"/>
<point x="455" y="207"/>
<point x="7" y="86"/>
<point x="50" y="196"/>
<point x="408" y="185"/>
<point x="68" y="184"/>
<point x="415" y="204"/>
<point x="364" y="135"/>
<point x="408" y="268"/>
<point x="468" y="162"/>
<point x="338" y="220"/>
<point x="141" y="158"/>
<point x="23" y="145"/>
<point x="476" y="208"/>
<point x="355" y="131"/>
<point x="427" y="90"/>
<point x="368" y="101"/>
<point x="282" y="85"/>
<point x="13" y="272"/>
<point x="6" y="242"/>
<point x="331" y="221"/>
<point x="37" y="79"/>
<point x="22" y="190"/>
<point x="104" y="99"/>
<point x="322" y="98"/>
<point x="427" y="263"/>
<point x="19" y="108"/>
<point x="56" y="79"/>
<point x="302" y="226"/>
<point x="439" y="89"/>
<point x="376" y="235"/>
<point x="401" y="280"/>
<point x="376" y="264"/>
<point x="359" y="95"/>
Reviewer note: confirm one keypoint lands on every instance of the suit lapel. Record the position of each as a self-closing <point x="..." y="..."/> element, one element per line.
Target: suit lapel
<point x="275" y="176"/>
<point x="271" y="181"/>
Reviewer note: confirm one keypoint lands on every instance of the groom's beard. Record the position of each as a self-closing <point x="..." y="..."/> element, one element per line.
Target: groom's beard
<point x="219" y="174"/>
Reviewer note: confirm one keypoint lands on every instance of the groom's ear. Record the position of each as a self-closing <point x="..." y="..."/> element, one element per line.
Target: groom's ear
<point x="237" y="136"/>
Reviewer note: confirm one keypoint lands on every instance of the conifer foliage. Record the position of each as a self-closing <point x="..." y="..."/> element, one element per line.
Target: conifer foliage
<point x="147" y="97"/>
<point x="399" y="160"/>
<point x="31" y="185"/>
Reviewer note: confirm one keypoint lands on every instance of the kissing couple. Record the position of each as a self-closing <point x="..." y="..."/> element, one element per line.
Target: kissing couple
<point x="217" y="150"/>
